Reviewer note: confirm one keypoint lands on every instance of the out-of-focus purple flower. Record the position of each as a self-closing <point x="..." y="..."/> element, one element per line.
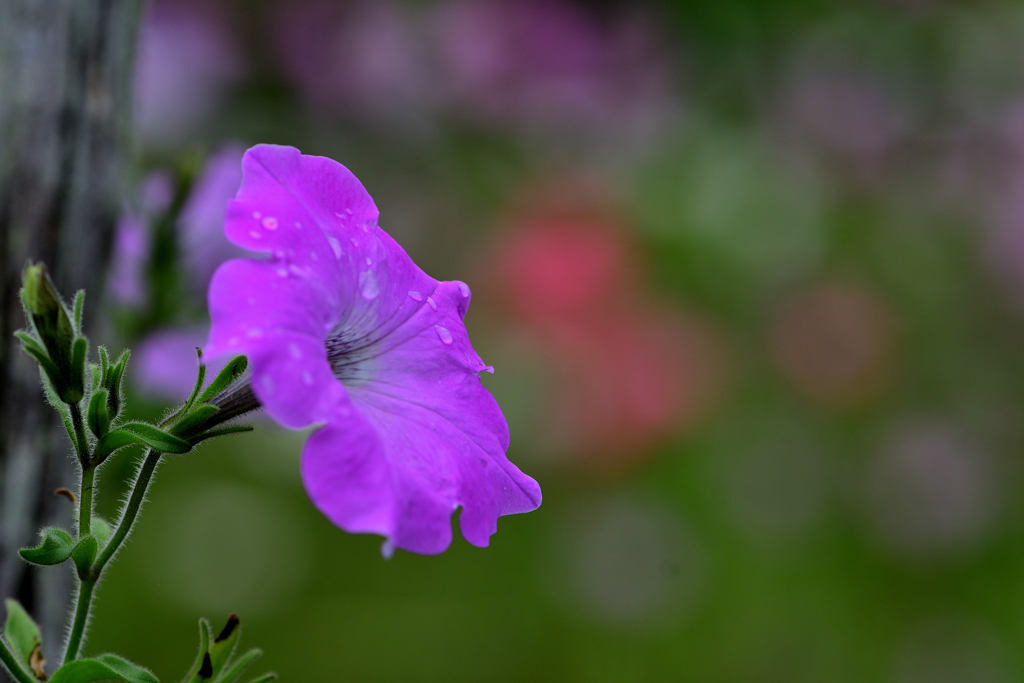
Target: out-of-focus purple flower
<point x="187" y="56"/>
<point x="365" y="58"/>
<point x="164" y="362"/>
<point x="201" y="241"/>
<point x="126" y="283"/>
<point x="551" y="64"/>
<point x="342" y="329"/>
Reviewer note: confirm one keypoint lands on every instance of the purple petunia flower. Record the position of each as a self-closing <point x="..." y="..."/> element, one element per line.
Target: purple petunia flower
<point x="343" y="330"/>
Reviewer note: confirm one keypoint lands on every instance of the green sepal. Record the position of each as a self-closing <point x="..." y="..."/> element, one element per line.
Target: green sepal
<point x="140" y="432"/>
<point x="78" y="308"/>
<point x="194" y="421"/>
<point x="37" y="352"/>
<point x="104" y="668"/>
<point x="99" y="422"/>
<point x="200" y="378"/>
<point x="101" y="530"/>
<point x="238" y="667"/>
<point x="204" y="646"/>
<point x="56" y="547"/>
<point x="222" y="431"/>
<point x="223" y="646"/>
<point x="232" y="371"/>
<point x="84" y="554"/>
<point x="96" y="373"/>
<point x="264" y="678"/>
<point x="112" y="382"/>
<point x="20" y="631"/>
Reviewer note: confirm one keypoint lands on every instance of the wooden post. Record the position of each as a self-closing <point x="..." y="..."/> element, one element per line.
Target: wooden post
<point x="66" y="70"/>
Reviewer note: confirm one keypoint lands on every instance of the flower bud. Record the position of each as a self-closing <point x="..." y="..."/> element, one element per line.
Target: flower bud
<point x="55" y="330"/>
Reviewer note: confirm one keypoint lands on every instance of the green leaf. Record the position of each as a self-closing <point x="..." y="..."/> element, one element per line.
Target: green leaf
<point x="84" y="554"/>
<point x="101" y="530"/>
<point x="112" y="383"/>
<point x="156" y="438"/>
<point x="200" y="378"/>
<point x="104" y="668"/>
<point x="224" y="644"/>
<point x="20" y="631"/>
<point x="104" y="362"/>
<point x="78" y="308"/>
<point x="232" y="371"/>
<point x="114" y="440"/>
<point x="204" y="646"/>
<point x="55" y="548"/>
<point x="193" y="422"/>
<point x="99" y="423"/>
<point x="235" y="671"/>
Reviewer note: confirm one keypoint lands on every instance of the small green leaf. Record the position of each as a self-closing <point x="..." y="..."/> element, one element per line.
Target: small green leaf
<point x="84" y="554"/>
<point x="99" y="423"/>
<point x="104" y="362"/>
<point x="223" y="645"/>
<point x="238" y="667"/>
<point x="194" y="421"/>
<point x="232" y="371"/>
<point x="56" y="547"/>
<point x="112" y="383"/>
<point x="20" y="631"/>
<point x="156" y="438"/>
<point x="78" y="308"/>
<point x="104" y="668"/>
<point x="213" y="433"/>
<point x="101" y="530"/>
<point x="204" y="646"/>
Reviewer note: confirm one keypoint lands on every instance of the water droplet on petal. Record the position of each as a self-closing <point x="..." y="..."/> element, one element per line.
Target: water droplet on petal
<point x="433" y="304"/>
<point x="369" y="261"/>
<point x="257" y="215"/>
<point x="445" y="335"/>
<point x="294" y="350"/>
<point x="336" y="246"/>
<point x="270" y="223"/>
<point x="299" y="270"/>
<point x="233" y="341"/>
<point x="348" y="211"/>
<point x="368" y="284"/>
<point x="313" y="256"/>
<point x="464" y="289"/>
<point x="355" y="242"/>
<point x="298" y="225"/>
<point x="254" y="333"/>
<point x="338" y="214"/>
<point x="268" y="384"/>
<point x="415" y="296"/>
<point x="255" y="235"/>
<point x="282" y="272"/>
<point x="307" y="378"/>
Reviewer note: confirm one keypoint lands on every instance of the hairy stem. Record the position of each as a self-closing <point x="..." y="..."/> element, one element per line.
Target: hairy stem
<point x="84" y="603"/>
<point x="131" y="510"/>
<point x="13" y="666"/>
<point x="85" y="501"/>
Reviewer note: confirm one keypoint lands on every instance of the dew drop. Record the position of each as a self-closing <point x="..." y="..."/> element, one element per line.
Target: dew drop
<point x="336" y="246"/>
<point x="294" y="350"/>
<point x="355" y="242"/>
<point x="270" y="223"/>
<point x="338" y="215"/>
<point x="268" y="384"/>
<point x="348" y="211"/>
<point x="299" y="270"/>
<point x="233" y="341"/>
<point x="307" y="378"/>
<point x="254" y="333"/>
<point x="257" y="215"/>
<point x="445" y="335"/>
<point x="298" y="225"/>
<point x="415" y="296"/>
<point x="282" y="272"/>
<point x="368" y="284"/>
<point x="464" y="289"/>
<point x="255" y="235"/>
<point x="433" y="304"/>
<point x="369" y="261"/>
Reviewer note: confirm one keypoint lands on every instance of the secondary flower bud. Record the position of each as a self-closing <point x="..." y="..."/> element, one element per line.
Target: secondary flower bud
<point x="55" y="330"/>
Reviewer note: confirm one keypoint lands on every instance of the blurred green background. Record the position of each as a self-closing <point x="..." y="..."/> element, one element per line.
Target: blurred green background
<point x="751" y="274"/>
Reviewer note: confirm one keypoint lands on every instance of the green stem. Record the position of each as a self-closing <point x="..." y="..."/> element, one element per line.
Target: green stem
<point x="84" y="602"/>
<point x="131" y="511"/>
<point x="13" y="666"/>
<point x="81" y="444"/>
<point x="85" y="501"/>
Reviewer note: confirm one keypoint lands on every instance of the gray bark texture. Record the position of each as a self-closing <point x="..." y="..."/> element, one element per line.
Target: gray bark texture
<point x="65" y="101"/>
